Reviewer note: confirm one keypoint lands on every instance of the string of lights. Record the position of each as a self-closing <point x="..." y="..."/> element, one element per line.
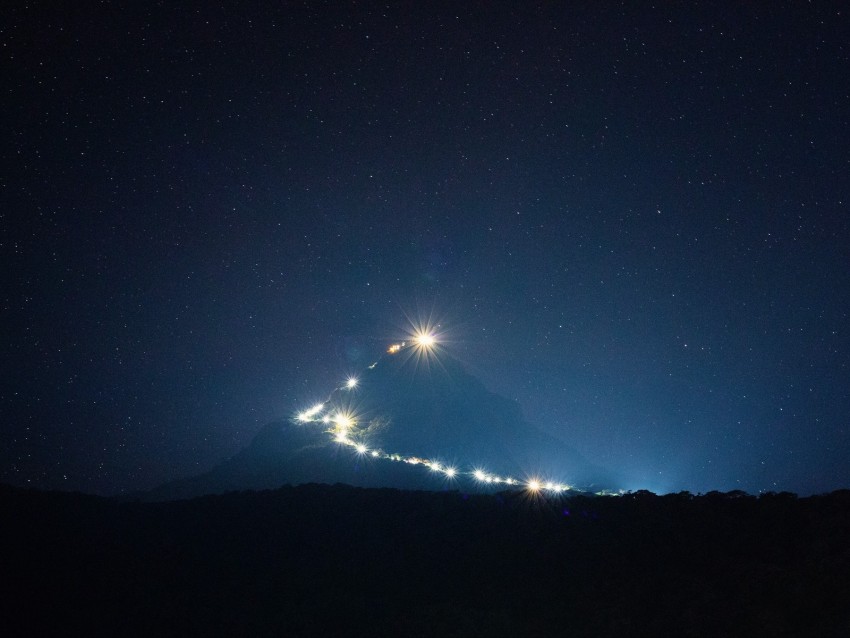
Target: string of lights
<point x="343" y="428"/>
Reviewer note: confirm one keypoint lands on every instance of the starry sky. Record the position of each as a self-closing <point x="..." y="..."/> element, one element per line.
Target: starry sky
<point x="631" y="218"/>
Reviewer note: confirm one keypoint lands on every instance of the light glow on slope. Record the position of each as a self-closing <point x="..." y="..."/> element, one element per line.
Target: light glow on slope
<point x="344" y="430"/>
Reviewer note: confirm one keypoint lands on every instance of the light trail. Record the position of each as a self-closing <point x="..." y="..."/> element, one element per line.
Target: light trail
<point x="344" y="431"/>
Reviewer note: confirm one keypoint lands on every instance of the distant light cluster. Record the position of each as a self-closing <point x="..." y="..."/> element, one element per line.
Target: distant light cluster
<point x="342" y="427"/>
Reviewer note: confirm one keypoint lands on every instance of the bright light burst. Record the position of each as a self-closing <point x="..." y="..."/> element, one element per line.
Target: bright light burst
<point x="424" y="340"/>
<point x="344" y="431"/>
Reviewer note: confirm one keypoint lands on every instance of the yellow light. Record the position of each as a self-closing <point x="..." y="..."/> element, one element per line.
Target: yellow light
<point x="533" y="485"/>
<point x="343" y="421"/>
<point x="351" y="383"/>
<point x="394" y="348"/>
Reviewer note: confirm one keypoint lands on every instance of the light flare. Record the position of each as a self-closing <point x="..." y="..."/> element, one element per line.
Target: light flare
<point x="425" y="340"/>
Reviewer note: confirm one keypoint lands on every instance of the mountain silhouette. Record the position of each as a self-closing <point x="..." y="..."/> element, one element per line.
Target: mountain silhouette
<point x="409" y="405"/>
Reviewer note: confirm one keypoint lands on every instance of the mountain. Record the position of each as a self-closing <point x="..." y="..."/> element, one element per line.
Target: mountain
<point x="410" y="405"/>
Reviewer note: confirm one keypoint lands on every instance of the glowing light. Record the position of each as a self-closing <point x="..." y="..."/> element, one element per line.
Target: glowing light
<point x="450" y="472"/>
<point x="343" y="421"/>
<point x="533" y="485"/>
<point x="375" y="453"/>
<point x="424" y="340"/>
<point x="393" y="349"/>
<point x="351" y="383"/>
<point x="479" y="475"/>
<point x="307" y="415"/>
<point x="361" y="449"/>
<point x="435" y="467"/>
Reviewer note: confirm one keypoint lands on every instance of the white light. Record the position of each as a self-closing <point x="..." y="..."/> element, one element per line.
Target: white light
<point x="450" y="472"/>
<point x="351" y="383"/>
<point x="307" y="415"/>
<point x="360" y="448"/>
<point x="436" y="467"/>
<point x="375" y="453"/>
<point x="533" y="485"/>
<point x="479" y="475"/>
<point x="343" y="421"/>
<point x="424" y="340"/>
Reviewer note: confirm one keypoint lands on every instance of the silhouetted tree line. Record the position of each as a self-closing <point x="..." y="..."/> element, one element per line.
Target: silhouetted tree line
<point x="337" y="560"/>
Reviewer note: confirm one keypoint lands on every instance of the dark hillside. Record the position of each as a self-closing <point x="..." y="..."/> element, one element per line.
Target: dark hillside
<point x="337" y="560"/>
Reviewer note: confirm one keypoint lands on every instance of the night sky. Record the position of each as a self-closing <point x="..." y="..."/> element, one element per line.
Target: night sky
<point x="632" y="219"/>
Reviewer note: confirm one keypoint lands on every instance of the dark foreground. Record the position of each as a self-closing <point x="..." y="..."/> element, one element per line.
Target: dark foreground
<point x="334" y="560"/>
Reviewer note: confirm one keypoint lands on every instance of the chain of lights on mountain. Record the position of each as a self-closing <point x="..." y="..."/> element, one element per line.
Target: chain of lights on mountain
<point x="342" y="427"/>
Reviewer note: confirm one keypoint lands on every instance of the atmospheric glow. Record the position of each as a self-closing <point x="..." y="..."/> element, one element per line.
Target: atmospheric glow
<point x="344" y="429"/>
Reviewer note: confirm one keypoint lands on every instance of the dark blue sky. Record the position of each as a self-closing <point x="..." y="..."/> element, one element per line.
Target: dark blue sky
<point x="631" y="218"/>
